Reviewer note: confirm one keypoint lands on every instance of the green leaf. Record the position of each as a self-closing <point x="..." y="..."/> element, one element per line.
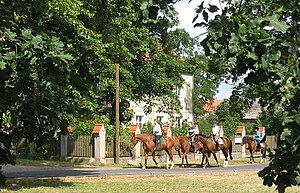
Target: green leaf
<point x="276" y="56"/>
<point x="278" y="25"/>
<point x="65" y="57"/>
<point x="268" y="181"/>
<point x="144" y="6"/>
<point x="212" y="8"/>
<point x="264" y="172"/>
<point x="252" y="56"/>
<point x="285" y="134"/>
<point x="205" y="15"/>
<point x="2" y="65"/>
<point x="33" y="60"/>
<point x="233" y="44"/>
<point x="297" y="119"/>
<point x="145" y="13"/>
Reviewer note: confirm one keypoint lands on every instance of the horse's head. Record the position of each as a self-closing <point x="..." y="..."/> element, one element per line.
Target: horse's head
<point x="199" y="138"/>
<point x="134" y="140"/>
<point x="246" y="139"/>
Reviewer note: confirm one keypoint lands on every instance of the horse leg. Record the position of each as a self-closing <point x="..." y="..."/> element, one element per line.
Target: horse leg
<point x="263" y="156"/>
<point x="206" y="160"/>
<point x="186" y="159"/>
<point x="251" y="158"/>
<point x="225" y="153"/>
<point x="153" y="157"/>
<point x="170" y="154"/>
<point x="202" y="160"/>
<point x="182" y="159"/>
<point x="146" y="158"/>
<point x="215" y="156"/>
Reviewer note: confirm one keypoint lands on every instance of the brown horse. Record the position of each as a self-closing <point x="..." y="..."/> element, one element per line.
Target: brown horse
<point x="252" y="147"/>
<point x="182" y="143"/>
<point x="205" y="154"/>
<point x="148" y="145"/>
<point x="210" y="145"/>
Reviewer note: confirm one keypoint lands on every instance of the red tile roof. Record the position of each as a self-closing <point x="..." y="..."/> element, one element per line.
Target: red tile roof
<point x="211" y="105"/>
<point x="165" y="128"/>
<point x="97" y="128"/>
<point x="132" y="128"/>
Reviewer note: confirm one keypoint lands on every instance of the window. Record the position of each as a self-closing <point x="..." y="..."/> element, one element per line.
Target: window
<point x="177" y="122"/>
<point x="139" y="121"/>
<point x="176" y="90"/>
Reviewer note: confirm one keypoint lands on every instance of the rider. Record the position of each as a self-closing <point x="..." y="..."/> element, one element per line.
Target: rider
<point x="257" y="136"/>
<point x="157" y="133"/>
<point x="216" y="134"/>
<point x="191" y="134"/>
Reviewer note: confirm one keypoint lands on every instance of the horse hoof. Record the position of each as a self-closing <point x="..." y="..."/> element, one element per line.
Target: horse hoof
<point x="144" y="167"/>
<point x="158" y="166"/>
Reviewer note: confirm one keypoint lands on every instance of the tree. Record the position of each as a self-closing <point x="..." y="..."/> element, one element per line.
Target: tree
<point x="57" y="63"/>
<point x="259" y="41"/>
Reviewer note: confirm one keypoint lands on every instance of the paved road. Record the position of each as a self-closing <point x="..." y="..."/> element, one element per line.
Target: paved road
<point x="45" y="172"/>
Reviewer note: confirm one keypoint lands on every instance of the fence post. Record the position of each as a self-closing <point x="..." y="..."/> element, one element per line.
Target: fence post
<point x="136" y="158"/>
<point x="63" y="147"/>
<point x="99" y="143"/>
<point x="242" y="132"/>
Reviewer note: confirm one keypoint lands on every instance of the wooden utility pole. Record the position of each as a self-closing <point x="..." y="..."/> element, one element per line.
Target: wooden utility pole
<point x="117" y="140"/>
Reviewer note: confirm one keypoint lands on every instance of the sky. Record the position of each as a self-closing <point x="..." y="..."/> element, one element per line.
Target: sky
<point x="186" y="13"/>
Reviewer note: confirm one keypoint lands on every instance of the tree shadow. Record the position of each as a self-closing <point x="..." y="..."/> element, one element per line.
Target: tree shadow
<point x="21" y="184"/>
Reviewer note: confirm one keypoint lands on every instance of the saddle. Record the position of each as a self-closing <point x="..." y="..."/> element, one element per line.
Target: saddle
<point x="161" y="141"/>
<point x="220" y="140"/>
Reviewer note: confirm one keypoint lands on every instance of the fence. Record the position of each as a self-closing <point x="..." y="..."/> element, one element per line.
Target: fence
<point x="80" y="146"/>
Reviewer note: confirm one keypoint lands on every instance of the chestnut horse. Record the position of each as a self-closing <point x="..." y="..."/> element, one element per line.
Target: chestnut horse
<point x="210" y="144"/>
<point x="252" y="147"/>
<point x="182" y="143"/>
<point x="148" y="145"/>
<point x="205" y="154"/>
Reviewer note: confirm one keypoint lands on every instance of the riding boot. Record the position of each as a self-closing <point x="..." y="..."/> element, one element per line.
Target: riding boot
<point x="217" y="146"/>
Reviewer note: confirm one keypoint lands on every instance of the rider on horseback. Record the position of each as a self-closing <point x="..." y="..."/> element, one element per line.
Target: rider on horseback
<point x="157" y="133"/>
<point x="191" y="134"/>
<point x="257" y="136"/>
<point x="216" y="134"/>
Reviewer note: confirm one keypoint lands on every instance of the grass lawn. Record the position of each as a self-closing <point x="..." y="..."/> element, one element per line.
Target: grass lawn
<point x="209" y="182"/>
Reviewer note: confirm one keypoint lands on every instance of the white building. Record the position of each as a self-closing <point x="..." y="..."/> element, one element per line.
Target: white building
<point x="186" y="112"/>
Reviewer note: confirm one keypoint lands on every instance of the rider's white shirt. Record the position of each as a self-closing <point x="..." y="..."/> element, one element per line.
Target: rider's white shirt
<point x="158" y="129"/>
<point x="215" y="130"/>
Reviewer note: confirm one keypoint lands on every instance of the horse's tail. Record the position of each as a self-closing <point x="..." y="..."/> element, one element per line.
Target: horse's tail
<point x="230" y="149"/>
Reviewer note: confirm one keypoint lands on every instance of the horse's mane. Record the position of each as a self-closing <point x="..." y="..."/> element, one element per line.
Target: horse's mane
<point x="250" y="137"/>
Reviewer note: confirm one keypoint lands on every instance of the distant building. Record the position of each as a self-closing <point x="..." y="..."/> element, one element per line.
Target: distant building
<point x="253" y="112"/>
<point x="211" y="106"/>
<point x="186" y="113"/>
